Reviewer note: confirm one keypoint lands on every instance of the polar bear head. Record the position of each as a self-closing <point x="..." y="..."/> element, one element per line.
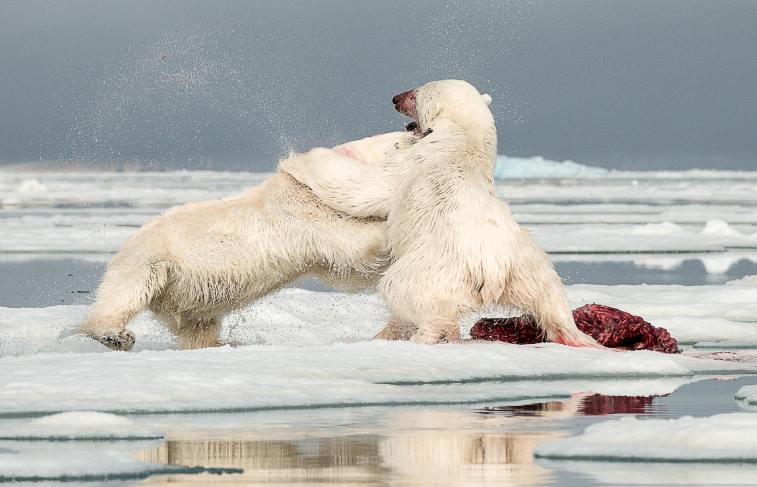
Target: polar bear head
<point x="449" y="101"/>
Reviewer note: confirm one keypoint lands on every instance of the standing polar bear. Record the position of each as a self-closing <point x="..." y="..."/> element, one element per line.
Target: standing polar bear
<point x="456" y="246"/>
<point x="197" y="262"/>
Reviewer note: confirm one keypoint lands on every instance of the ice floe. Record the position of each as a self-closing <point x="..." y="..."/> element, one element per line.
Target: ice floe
<point x="656" y="474"/>
<point x="366" y="373"/>
<point x="730" y="437"/>
<point x="736" y="300"/>
<point x="540" y="168"/>
<point x="301" y="348"/>
<point x="617" y="212"/>
<point x="79" y="425"/>
<point x="747" y="397"/>
<point x="90" y="466"/>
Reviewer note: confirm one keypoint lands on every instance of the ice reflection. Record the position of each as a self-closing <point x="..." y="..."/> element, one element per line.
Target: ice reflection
<point x="416" y="448"/>
<point x="629" y="473"/>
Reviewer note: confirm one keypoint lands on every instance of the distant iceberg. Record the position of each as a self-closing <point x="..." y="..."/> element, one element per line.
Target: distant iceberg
<point x="540" y="168"/>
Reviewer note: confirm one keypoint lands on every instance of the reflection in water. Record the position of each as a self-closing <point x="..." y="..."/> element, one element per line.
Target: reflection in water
<point x="584" y="404"/>
<point x="415" y="449"/>
<point x="423" y="446"/>
<point x="598" y="404"/>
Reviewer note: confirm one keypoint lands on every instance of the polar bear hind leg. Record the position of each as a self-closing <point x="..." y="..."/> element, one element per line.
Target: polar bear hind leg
<point x="193" y="332"/>
<point x="415" y="304"/>
<point x="540" y="294"/>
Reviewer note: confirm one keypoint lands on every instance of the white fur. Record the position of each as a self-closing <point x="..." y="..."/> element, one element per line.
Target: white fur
<point x="197" y="262"/>
<point x="456" y="246"/>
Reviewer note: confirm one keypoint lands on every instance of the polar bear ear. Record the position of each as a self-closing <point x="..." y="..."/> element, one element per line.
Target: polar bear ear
<point x="487" y="99"/>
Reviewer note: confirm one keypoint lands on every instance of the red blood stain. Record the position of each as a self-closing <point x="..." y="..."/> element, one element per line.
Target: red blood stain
<point x="347" y="151"/>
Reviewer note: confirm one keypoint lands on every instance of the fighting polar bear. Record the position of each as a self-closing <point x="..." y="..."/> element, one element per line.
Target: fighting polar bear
<point x="455" y="246"/>
<point x="197" y="262"/>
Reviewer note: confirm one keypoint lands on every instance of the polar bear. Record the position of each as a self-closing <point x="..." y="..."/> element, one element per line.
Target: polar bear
<point x="197" y="262"/>
<point x="455" y="246"/>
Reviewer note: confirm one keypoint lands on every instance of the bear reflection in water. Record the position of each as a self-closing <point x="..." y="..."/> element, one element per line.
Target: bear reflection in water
<point x="407" y="447"/>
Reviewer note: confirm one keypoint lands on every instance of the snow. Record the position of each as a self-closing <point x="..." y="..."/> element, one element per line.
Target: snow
<point x="611" y="212"/>
<point x="716" y="235"/>
<point x="79" y="425"/>
<point x="70" y="466"/>
<point x="691" y="330"/>
<point x="656" y="474"/>
<point x="540" y="168"/>
<point x="736" y="300"/>
<point x="298" y="349"/>
<point x="730" y="437"/>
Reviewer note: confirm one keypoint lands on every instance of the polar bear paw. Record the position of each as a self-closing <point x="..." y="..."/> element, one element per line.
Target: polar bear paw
<point x="121" y="339"/>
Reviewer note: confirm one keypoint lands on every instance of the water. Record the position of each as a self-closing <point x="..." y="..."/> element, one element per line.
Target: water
<point x="36" y="280"/>
<point x="479" y="445"/>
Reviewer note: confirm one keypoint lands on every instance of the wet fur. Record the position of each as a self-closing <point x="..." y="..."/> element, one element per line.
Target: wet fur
<point x="456" y="247"/>
<point x="197" y="262"/>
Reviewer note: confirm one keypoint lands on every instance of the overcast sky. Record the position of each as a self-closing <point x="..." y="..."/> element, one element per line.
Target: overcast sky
<point x="235" y="84"/>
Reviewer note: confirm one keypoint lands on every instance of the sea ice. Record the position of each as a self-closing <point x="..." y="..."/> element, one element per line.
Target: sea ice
<point x="747" y="397"/>
<point x="656" y="474"/>
<point x="540" y="168"/>
<point x="82" y="466"/>
<point x="730" y="437"/>
<point x="79" y="425"/>
<point x="653" y="212"/>
<point x="736" y="300"/>
<point x="366" y="373"/>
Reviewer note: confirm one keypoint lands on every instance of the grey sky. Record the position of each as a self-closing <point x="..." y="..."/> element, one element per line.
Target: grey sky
<point x="235" y="85"/>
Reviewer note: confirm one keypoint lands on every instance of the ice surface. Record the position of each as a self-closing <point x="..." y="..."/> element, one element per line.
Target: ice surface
<point x="656" y="474"/>
<point x="716" y="235"/>
<point x="643" y="188"/>
<point x="747" y="396"/>
<point x="305" y="357"/>
<point x="540" y="168"/>
<point x="617" y="212"/>
<point x="736" y="300"/>
<point x="690" y="330"/>
<point x="730" y="437"/>
<point x="80" y="425"/>
<point x="154" y="189"/>
<point x="81" y="465"/>
<point x="303" y="349"/>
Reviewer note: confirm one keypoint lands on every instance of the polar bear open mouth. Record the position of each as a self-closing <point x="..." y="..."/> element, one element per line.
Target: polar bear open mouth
<point x="404" y="103"/>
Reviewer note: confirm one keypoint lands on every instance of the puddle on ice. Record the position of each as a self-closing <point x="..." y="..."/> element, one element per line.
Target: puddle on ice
<point x="480" y="445"/>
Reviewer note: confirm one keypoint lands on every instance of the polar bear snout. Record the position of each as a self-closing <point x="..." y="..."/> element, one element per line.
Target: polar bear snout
<point x="405" y="103"/>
